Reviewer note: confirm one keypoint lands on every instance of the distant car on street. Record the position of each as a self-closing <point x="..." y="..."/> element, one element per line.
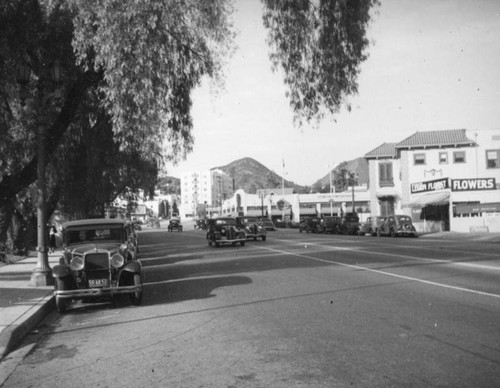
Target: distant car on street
<point x="253" y="229"/>
<point x="311" y="225"/>
<point x="397" y="225"/>
<point x="99" y="261"/>
<point x="267" y="224"/>
<point x="174" y="224"/>
<point x="223" y="231"/>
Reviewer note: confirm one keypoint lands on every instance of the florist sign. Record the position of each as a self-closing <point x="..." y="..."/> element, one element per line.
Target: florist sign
<point x="435" y="185"/>
<point x="473" y="184"/>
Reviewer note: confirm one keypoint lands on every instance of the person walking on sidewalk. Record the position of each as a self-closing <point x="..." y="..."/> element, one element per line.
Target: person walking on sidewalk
<point x="52" y="239"/>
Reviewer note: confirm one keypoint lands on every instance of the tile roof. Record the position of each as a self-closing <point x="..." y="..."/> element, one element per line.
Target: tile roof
<point x="386" y="150"/>
<point x="449" y="137"/>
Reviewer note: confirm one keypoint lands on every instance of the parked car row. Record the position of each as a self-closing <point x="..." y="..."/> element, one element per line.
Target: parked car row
<point x="396" y="225"/>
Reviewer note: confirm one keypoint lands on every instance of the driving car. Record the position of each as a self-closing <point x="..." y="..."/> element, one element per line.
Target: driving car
<point x="252" y="228"/>
<point x="99" y="262"/>
<point x="397" y="225"/>
<point x="223" y="230"/>
<point x="174" y="224"/>
<point x="371" y="225"/>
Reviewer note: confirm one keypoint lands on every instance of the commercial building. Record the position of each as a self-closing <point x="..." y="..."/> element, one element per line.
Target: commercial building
<point x="445" y="180"/>
<point x="207" y="188"/>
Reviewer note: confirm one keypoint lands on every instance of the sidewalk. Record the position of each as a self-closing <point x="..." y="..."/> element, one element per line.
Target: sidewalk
<point x="22" y="306"/>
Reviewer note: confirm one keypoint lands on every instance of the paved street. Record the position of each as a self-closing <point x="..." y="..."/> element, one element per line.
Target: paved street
<point x="300" y="310"/>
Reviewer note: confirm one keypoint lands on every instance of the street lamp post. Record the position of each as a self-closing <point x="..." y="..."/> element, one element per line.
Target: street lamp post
<point x="42" y="274"/>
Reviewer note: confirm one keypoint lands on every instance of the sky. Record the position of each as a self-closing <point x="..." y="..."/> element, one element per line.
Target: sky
<point x="432" y="65"/>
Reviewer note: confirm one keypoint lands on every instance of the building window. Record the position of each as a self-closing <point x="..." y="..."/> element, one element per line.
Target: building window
<point x="418" y="159"/>
<point x="493" y="159"/>
<point x="459" y="157"/>
<point x="385" y="176"/>
<point x="443" y="158"/>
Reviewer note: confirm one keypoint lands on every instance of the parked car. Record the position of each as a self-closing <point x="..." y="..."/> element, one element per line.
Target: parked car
<point x="311" y="225"/>
<point x="174" y="224"/>
<point x="371" y="225"/>
<point x="267" y="224"/>
<point x="397" y="225"/>
<point x="224" y="231"/>
<point x="99" y="261"/>
<point x="348" y="224"/>
<point x="333" y="224"/>
<point x="253" y="229"/>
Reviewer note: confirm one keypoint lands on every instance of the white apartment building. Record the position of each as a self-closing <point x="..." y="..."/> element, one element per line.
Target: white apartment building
<point x="445" y="180"/>
<point x="203" y="187"/>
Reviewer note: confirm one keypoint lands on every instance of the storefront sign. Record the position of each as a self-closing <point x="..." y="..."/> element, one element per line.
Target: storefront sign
<point x="435" y="185"/>
<point x="473" y="184"/>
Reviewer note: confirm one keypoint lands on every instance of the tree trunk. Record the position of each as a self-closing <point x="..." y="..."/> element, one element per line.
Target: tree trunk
<point x="6" y="210"/>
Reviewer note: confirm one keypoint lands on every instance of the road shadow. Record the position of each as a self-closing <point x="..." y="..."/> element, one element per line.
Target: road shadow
<point x="188" y="289"/>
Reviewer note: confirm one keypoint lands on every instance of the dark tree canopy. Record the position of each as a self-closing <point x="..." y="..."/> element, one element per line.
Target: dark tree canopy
<point x="319" y="46"/>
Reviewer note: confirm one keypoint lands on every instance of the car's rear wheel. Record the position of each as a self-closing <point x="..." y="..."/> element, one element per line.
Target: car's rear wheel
<point x="242" y="243"/>
<point x="136" y="297"/>
<point x="263" y="238"/>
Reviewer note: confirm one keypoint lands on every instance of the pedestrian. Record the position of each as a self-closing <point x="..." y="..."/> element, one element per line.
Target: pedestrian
<point x="52" y="239"/>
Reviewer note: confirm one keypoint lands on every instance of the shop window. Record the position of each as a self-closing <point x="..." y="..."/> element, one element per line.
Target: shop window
<point x="418" y="159"/>
<point x="459" y="157"/>
<point x="385" y="176"/>
<point x="493" y="159"/>
<point x="443" y="158"/>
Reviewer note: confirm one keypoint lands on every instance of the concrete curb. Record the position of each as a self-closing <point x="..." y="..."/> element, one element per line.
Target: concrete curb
<point x="11" y="337"/>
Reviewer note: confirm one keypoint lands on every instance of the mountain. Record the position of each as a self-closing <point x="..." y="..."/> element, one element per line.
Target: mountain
<point x="358" y="166"/>
<point x="251" y="175"/>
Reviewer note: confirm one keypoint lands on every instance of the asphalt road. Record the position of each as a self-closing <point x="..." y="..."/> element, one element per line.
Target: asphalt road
<point x="301" y="310"/>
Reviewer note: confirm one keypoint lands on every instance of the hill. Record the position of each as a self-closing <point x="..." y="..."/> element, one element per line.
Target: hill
<point x="251" y="175"/>
<point x="358" y="166"/>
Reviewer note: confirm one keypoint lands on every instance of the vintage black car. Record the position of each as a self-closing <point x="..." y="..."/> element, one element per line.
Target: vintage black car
<point x="371" y="225"/>
<point x="99" y="262"/>
<point x="397" y="225"/>
<point x="267" y="224"/>
<point x="252" y="228"/>
<point x="174" y="224"/>
<point x="223" y="230"/>
<point x="312" y="225"/>
<point x="200" y="224"/>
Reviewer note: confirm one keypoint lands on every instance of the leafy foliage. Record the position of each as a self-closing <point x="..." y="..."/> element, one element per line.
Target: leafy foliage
<point x="319" y="46"/>
<point x="153" y="54"/>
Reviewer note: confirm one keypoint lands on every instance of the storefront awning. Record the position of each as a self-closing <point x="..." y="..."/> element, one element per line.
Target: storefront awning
<point x="439" y="198"/>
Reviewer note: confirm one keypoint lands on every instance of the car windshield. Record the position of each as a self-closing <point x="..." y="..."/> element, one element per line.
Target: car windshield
<point x="92" y="234"/>
<point x="225" y="222"/>
<point x="404" y="219"/>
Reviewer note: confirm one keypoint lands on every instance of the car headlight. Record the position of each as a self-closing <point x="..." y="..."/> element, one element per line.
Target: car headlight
<point x="123" y="247"/>
<point x="76" y="263"/>
<point x="117" y="260"/>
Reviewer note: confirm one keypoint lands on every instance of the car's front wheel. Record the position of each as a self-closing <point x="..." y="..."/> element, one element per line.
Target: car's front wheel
<point x="136" y="297"/>
<point x="61" y="304"/>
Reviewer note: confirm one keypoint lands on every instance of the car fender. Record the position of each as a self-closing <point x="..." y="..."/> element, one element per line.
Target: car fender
<point x="60" y="271"/>
<point x="132" y="266"/>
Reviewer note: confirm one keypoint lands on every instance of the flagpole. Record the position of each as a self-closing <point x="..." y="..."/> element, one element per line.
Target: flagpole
<point x="283" y="191"/>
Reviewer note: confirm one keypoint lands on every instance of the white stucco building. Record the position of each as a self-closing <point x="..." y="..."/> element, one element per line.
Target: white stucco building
<point x="446" y="180"/>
